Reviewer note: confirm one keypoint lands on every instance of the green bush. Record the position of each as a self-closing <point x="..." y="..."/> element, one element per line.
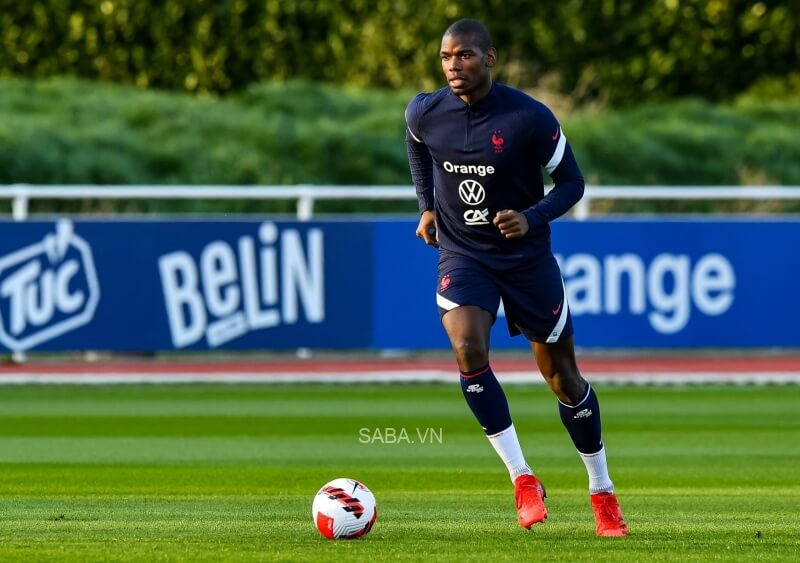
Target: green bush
<point x="73" y="132"/>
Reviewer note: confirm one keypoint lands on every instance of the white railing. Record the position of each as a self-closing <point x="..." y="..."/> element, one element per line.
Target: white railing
<point x="755" y="193"/>
<point x="306" y="195"/>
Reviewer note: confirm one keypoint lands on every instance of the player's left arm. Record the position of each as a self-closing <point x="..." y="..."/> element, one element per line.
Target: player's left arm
<point x="554" y="153"/>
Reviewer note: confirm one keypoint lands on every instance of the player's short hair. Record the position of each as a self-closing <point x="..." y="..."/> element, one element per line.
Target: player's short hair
<point x="474" y="30"/>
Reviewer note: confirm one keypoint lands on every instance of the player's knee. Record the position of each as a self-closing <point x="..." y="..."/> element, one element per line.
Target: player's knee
<point x="570" y="386"/>
<point x="470" y="353"/>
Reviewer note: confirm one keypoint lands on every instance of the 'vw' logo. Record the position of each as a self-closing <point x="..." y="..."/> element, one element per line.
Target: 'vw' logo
<point x="471" y="192"/>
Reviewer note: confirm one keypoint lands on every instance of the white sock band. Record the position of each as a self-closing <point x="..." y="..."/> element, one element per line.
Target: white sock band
<point x="506" y="444"/>
<point x="597" y="468"/>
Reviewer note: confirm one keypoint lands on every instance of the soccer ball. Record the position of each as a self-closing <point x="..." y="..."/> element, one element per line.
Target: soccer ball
<point x="344" y="509"/>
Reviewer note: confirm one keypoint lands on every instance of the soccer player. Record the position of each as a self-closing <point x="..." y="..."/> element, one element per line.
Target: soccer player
<point x="476" y="150"/>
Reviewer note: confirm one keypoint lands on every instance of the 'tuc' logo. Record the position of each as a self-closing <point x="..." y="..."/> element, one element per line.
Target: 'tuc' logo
<point x="471" y="192"/>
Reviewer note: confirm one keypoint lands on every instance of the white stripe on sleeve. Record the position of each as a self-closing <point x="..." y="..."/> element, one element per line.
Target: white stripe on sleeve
<point x="410" y="132"/>
<point x="555" y="160"/>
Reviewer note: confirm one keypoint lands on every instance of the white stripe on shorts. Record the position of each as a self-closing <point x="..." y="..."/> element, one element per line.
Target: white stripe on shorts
<point x="445" y="303"/>
<point x="562" y="319"/>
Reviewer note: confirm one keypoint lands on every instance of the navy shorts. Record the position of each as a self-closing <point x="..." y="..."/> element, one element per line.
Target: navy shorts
<point x="533" y="294"/>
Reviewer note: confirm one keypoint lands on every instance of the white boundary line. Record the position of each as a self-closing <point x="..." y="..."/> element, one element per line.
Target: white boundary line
<point x="422" y="376"/>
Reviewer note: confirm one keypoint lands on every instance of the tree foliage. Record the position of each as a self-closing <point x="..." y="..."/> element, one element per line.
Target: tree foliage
<point x="618" y="51"/>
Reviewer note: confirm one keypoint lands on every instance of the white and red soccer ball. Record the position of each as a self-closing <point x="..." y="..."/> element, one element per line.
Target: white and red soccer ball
<point x="344" y="509"/>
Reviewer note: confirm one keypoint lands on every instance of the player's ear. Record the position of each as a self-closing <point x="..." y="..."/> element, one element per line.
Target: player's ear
<point x="491" y="57"/>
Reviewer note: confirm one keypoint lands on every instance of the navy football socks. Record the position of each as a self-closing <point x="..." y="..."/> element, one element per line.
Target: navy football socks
<point x="486" y="399"/>
<point x="582" y="421"/>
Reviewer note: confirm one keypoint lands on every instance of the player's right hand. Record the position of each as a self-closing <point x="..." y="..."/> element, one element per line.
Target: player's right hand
<point x="426" y="230"/>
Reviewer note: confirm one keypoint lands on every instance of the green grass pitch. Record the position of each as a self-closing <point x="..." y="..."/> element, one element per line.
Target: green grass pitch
<point x="227" y="473"/>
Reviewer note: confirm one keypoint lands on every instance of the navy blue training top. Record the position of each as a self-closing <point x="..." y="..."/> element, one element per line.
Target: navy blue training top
<point x="470" y="161"/>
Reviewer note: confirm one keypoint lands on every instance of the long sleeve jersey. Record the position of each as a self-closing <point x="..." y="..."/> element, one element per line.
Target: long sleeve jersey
<point x="470" y="161"/>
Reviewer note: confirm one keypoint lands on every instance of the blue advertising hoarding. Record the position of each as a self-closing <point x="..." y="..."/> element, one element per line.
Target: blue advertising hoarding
<point x="184" y="285"/>
<point x="240" y="284"/>
<point x="631" y="283"/>
<point x="682" y="283"/>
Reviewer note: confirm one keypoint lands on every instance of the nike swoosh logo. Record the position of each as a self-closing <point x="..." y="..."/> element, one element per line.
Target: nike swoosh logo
<point x="555" y="135"/>
<point x="557" y="309"/>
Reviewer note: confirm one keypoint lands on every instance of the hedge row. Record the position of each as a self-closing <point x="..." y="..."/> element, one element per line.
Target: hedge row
<point x="73" y="132"/>
<point x="620" y="51"/>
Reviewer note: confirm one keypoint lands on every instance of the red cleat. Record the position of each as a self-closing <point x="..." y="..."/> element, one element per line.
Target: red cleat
<point x="608" y="516"/>
<point x="529" y="494"/>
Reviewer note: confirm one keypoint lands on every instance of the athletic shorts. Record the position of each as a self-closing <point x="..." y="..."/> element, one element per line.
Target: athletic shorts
<point x="533" y="294"/>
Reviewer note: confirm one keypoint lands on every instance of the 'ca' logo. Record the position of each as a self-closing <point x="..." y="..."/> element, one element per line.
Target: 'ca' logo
<point x="471" y="192"/>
